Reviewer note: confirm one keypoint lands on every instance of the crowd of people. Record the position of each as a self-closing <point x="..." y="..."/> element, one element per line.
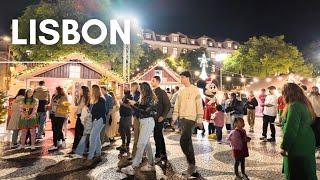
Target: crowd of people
<point x="146" y="109"/>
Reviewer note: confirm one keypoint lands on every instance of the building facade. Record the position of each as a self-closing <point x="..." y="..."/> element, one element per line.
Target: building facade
<point x="176" y="43"/>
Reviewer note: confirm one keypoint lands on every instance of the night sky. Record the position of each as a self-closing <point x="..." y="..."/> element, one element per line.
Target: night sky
<point x="299" y="21"/>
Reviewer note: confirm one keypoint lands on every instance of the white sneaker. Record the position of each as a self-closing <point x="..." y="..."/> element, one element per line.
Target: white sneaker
<point x="147" y="167"/>
<point x="20" y="147"/>
<point x="128" y="170"/>
<point x="32" y="147"/>
<point x="77" y="156"/>
<point x="59" y="143"/>
<point x="53" y="148"/>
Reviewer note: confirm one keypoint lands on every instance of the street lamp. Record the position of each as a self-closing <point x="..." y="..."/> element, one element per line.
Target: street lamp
<point x="219" y="58"/>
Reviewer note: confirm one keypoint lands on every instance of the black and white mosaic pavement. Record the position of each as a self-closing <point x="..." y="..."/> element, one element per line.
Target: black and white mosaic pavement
<point x="214" y="161"/>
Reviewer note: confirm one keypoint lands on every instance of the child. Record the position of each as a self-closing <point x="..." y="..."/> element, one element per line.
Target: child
<point x="238" y="139"/>
<point x="218" y="120"/>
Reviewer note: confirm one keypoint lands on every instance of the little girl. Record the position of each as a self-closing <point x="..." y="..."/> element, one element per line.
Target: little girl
<point x="218" y="120"/>
<point x="238" y="139"/>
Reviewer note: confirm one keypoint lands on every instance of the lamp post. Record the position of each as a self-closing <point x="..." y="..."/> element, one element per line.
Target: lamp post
<point x="219" y="58"/>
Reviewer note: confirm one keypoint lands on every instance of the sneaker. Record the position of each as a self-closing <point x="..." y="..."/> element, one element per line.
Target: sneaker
<point x="39" y="137"/>
<point x="271" y="140"/>
<point x="97" y="159"/>
<point x="77" y="156"/>
<point x="21" y="147"/>
<point x="53" y="148"/>
<point x="120" y="148"/>
<point x="59" y="143"/>
<point x="146" y="168"/>
<point x="14" y="146"/>
<point x="32" y="147"/>
<point x="128" y="170"/>
<point x="245" y="177"/>
<point x="263" y="139"/>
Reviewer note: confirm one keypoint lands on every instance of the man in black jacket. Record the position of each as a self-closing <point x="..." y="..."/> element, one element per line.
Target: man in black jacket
<point x="163" y="108"/>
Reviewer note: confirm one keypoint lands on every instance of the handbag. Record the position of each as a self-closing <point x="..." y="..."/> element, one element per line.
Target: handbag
<point x="88" y="124"/>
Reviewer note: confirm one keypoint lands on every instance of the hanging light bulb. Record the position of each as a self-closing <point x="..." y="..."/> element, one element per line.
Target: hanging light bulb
<point x="228" y="78"/>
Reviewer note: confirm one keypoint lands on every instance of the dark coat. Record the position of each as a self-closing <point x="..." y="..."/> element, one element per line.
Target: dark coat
<point x="163" y="105"/>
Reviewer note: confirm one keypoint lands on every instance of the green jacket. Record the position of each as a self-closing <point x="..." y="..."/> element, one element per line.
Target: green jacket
<point x="299" y="142"/>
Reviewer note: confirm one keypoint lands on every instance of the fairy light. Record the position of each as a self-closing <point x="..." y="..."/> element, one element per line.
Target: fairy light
<point x="228" y="78"/>
<point x="268" y="79"/>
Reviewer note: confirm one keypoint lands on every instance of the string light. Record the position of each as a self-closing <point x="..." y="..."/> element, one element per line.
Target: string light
<point x="268" y="79"/>
<point x="228" y="78"/>
<point x="243" y="80"/>
<point x="255" y="79"/>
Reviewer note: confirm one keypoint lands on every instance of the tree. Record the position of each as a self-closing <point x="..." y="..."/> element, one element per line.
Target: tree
<point x="150" y="56"/>
<point x="81" y="11"/>
<point x="312" y="55"/>
<point x="264" y="56"/>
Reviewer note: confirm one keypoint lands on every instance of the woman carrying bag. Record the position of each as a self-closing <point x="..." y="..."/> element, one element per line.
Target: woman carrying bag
<point x="93" y="125"/>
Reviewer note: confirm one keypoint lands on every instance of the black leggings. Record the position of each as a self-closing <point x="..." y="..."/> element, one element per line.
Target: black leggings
<point x="125" y="132"/>
<point x="211" y="128"/>
<point x="239" y="160"/>
<point x="57" y="124"/>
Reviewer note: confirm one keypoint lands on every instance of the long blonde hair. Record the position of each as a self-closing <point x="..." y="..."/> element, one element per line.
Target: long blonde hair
<point x="95" y="94"/>
<point x="293" y="93"/>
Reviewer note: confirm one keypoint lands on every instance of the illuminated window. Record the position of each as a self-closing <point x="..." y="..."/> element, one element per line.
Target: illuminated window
<point x="212" y="54"/>
<point x="175" y="39"/>
<point x="184" y="51"/>
<point x="192" y="41"/>
<point x="164" y="50"/>
<point x="229" y="45"/>
<point x="175" y="52"/>
<point x="210" y="44"/>
<point x="183" y="40"/>
<point x="219" y="45"/>
<point x="148" y="36"/>
<point x="74" y="71"/>
<point x="204" y="42"/>
<point x="163" y="38"/>
<point x="235" y="46"/>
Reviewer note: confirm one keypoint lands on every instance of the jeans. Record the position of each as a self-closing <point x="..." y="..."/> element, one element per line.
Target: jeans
<point x="78" y="132"/>
<point x="219" y="133"/>
<point x="24" y="136"/>
<point x="251" y="117"/>
<point x="42" y="116"/>
<point x="269" y="120"/>
<point x="159" y="140"/>
<point x="57" y="124"/>
<point x="146" y="127"/>
<point x="211" y="128"/>
<point x="15" y="135"/>
<point x="186" y="140"/>
<point x="136" y="133"/>
<point x="125" y="132"/>
<point x="233" y="117"/>
<point x="94" y="140"/>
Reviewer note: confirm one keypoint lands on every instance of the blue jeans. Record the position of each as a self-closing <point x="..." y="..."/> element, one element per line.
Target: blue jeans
<point x="94" y="140"/>
<point x="42" y="116"/>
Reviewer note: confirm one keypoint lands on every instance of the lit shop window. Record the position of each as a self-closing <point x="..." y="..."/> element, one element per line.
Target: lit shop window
<point x="164" y="50"/>
<point x="210" y="44"/>
<point x="175" y="39"/>
<point x="219" y="45"/>
<point x="192" y="41"/>
<point x="163" y="38"/>
<point x="229" y="45"/>
<point x="74" y="71"/>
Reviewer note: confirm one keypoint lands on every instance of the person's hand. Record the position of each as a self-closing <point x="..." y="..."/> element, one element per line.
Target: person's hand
<point x="283" y="152"/>
<point x="200" y="125"/>
<point x="160" y="119"/>
<point x="131" y="102"/>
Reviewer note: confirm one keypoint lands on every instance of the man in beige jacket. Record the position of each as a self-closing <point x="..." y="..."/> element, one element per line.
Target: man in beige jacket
<point x="189" y="109"/>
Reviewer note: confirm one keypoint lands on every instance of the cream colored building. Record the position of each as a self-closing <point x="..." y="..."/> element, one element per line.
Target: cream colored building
<point x="176" y="43"/>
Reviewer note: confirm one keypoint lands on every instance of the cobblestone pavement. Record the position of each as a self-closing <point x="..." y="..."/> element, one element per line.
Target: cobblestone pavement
<point x="214" y="161"/>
